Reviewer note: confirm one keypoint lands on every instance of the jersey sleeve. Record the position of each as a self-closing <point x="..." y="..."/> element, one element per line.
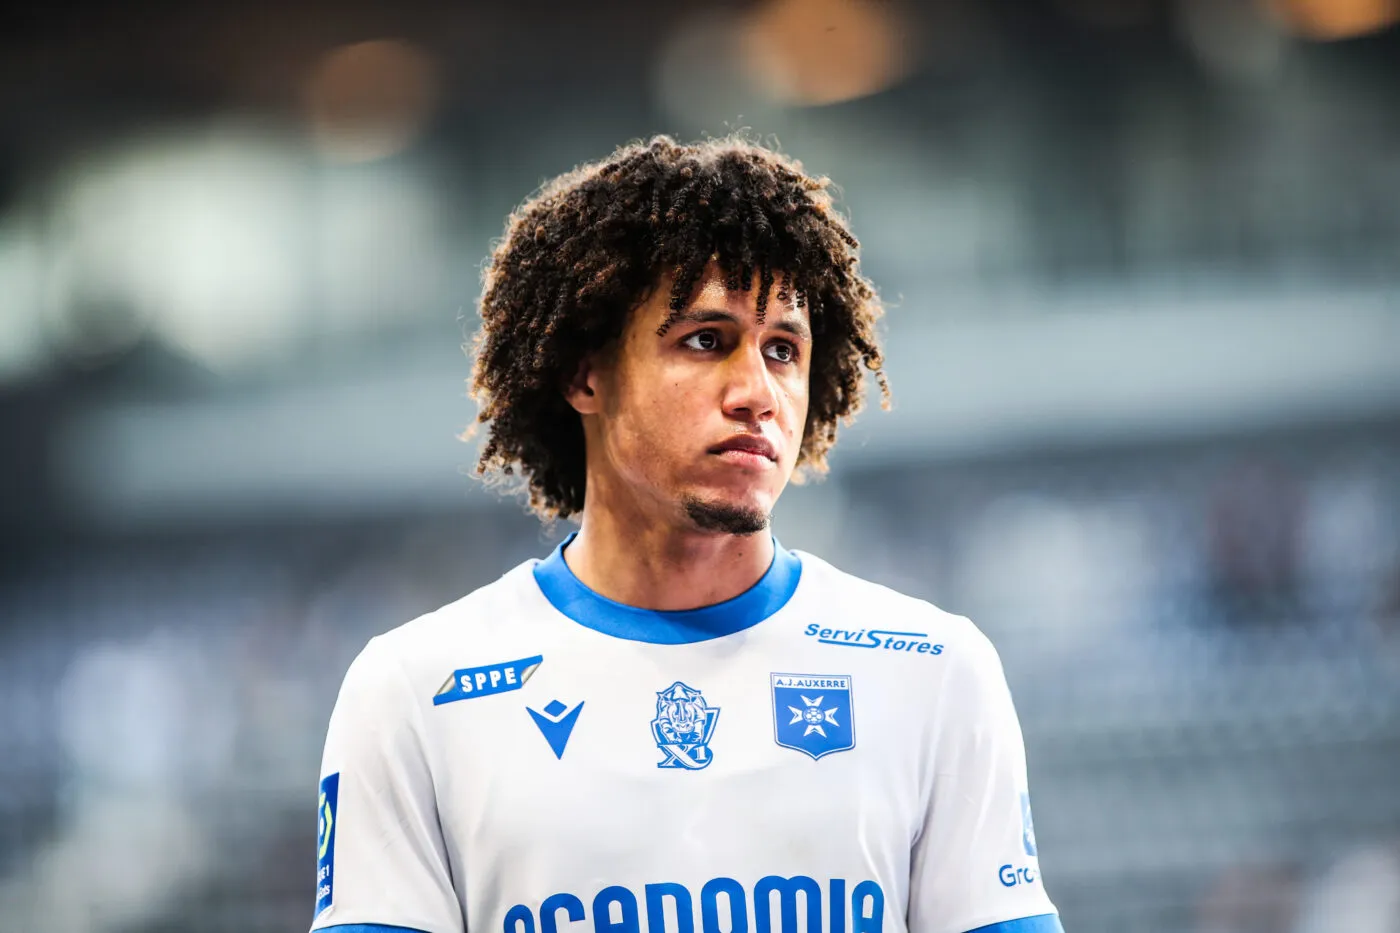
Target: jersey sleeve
<point x="974" y="864"/>
<point x="381" y="859"/>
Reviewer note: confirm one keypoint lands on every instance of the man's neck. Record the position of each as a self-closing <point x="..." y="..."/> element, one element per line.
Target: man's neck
<point x="660" y="565"/>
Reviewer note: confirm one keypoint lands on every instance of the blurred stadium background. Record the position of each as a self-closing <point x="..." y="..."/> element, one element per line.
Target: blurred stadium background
<point x="1143" y="262"/>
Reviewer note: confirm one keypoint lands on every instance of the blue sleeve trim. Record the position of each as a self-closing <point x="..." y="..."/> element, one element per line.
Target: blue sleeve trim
<point x="1043" y="923"/>
<point x="367" y="928"/>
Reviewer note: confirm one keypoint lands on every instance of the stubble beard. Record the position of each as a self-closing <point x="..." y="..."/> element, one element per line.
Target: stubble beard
<point x="723" y="517"/>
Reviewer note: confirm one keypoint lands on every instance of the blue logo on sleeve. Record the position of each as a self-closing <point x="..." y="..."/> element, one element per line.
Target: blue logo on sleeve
<point x="812" y="713"/>
<point x="1011" y="876"/>
<point x="325" y="840"/>
<point x="472" y="682"/>
<point x="556" y="724"/>
<point x="1027" y="825"/>
<point x="683" y="727"/>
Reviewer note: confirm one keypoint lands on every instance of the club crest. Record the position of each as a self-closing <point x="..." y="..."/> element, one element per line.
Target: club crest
<point x="812" y="713"/>
<point x="683" y="727"/>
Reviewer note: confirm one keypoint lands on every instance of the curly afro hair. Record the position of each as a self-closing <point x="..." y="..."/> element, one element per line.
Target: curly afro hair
<point x="591" y="245"/>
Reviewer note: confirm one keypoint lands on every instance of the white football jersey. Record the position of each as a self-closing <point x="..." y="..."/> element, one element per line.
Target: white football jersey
<point x="817" y="755"/>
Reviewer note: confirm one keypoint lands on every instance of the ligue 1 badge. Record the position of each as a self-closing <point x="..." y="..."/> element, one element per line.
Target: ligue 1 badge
<point x="326" y="809"/>
<point x="683" y="727"/>
<point x="812" y="713"/>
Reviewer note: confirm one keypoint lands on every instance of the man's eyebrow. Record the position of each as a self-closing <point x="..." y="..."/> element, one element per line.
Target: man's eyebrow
<point x="703" y="316"/>
<point x="795" y="326"/>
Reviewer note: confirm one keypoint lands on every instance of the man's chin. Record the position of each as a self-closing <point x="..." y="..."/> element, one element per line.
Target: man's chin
<point x="731" y="518"/>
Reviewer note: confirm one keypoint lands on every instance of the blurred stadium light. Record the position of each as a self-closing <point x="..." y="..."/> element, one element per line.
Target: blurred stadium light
<point x="197" y="233"/>
<point x="817" y="52"/>
<point x="1335" y="19"/>
<point x="721" y="68"/>
<point x="369" y="100"/>
<point x="233" y="247"/>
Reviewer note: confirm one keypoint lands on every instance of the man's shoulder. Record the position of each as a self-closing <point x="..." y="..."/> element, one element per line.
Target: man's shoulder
<point x="876" y="604"/>
<point x="486" y="620"/>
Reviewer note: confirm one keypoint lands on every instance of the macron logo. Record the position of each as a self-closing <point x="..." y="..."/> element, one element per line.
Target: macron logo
<point x="556" y="724"/>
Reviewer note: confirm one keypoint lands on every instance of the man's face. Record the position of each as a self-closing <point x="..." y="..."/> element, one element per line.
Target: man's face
<point x="703" y="421"/>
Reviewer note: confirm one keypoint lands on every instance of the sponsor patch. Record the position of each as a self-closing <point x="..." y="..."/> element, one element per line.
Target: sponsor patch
<point x="875" y="638"/>
<point x="1012" y="875"/>
<point x="470" y="683"/>
<point x="774" y="903"/>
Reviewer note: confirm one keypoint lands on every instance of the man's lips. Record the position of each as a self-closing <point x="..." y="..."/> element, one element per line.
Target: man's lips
<point x="749" y="444"/>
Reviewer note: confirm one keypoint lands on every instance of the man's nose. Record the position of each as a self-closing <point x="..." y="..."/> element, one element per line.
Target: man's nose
<point x="750" y="393"/>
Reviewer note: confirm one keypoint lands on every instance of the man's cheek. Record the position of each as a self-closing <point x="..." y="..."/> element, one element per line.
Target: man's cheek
<point x="796" y="422"/>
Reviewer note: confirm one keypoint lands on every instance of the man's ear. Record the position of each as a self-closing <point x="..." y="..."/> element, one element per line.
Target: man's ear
<point x="582" y="390"/>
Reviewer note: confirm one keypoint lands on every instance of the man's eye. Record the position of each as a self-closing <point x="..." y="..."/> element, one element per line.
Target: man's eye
<point x="702" y="340"/>
<point x="782" y="352"/>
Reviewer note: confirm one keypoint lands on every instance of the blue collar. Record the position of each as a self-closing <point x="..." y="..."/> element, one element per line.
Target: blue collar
<point x="678" y="627"/>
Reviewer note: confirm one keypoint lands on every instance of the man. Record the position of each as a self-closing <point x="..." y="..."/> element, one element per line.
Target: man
<point x="672" y="724"/>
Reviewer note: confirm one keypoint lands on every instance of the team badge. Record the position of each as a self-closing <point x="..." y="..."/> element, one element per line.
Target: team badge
<point x="683" y="727"/>
<point x="812" y="713"/>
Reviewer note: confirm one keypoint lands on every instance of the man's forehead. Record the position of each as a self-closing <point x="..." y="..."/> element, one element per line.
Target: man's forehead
<point x="712" y="293"/>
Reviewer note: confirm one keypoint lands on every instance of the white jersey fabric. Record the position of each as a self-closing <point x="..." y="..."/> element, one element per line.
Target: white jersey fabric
<point x="818" y="755"/>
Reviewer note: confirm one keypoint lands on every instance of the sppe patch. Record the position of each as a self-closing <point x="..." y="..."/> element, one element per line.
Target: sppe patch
<point x="325" y="841"/>
<point x="487" y="680"/>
